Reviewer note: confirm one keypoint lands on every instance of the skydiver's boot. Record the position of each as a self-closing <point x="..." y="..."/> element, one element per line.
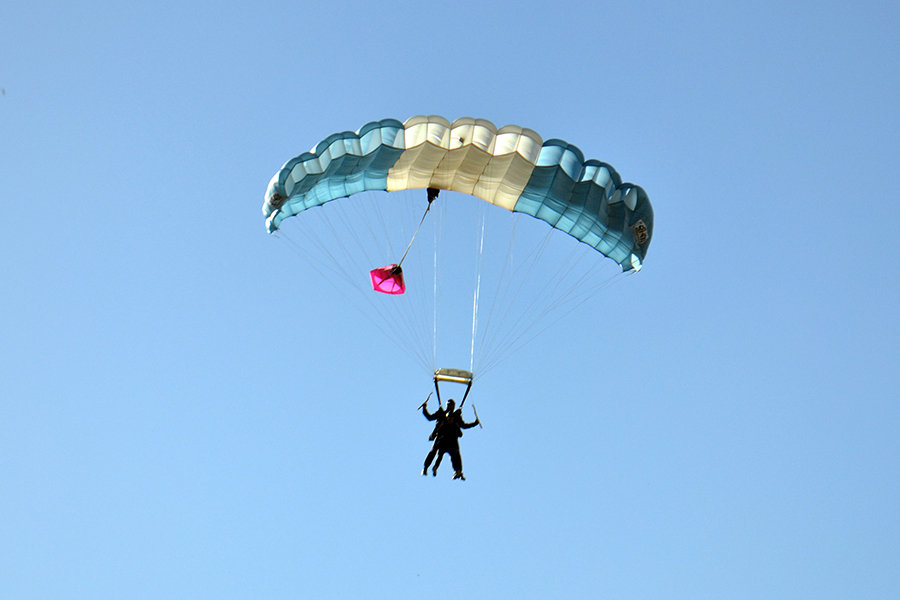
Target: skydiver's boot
<point x="459" y="475"/>
<point x="433" y="472"/>
<point x="425" y="471"/>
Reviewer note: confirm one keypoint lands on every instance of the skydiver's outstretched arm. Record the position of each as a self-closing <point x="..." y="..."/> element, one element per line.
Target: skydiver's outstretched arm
<point x="465" y="425"/>
<point x="428" y="415"/>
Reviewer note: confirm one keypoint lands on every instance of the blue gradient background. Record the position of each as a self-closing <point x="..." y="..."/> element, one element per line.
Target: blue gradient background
<point x="747" y="449"/>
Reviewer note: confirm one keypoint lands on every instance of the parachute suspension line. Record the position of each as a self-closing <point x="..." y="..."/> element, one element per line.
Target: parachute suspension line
<point x="558" y="298"/>
<point x="392" y="315"/>
<point x="379" y="214"/>
<point x="347" y="255"/>
<point x="365" y="206"/>
<point x="532" y="312"/>
<point x="563" y="299"/>
<point x="439" y="225"/>
<point x="317" y="264"/>
<point x="435" y="293"/>
<point x="336" y="265"/>
<point x="310" y="259"/>
<point x="410" y="309"/>
<point x="521" y="342"/>
<point x="419" y="263"/>
<point x="502" y="281"/>
<point x="519" y="273"/>
<point x="476" y="295"/>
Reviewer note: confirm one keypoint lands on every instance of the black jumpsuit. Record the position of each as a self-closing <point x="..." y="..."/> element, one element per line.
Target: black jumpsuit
<point x="447" y="432"/>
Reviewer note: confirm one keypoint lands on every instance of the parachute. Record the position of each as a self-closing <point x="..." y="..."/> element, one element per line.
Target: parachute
<point x="510" y="167"/>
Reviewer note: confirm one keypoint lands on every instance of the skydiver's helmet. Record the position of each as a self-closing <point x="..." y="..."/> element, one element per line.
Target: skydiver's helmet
<point x="451" y="405"/>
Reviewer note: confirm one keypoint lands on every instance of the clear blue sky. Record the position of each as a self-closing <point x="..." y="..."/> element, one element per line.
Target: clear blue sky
<point x="724" y="424"/>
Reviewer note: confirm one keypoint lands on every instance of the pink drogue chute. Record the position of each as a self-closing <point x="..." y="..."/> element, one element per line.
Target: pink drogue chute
<point x="388" y="279"/>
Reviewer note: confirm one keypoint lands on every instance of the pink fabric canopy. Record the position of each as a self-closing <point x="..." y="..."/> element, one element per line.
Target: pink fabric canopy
<point x="388" y="279"/>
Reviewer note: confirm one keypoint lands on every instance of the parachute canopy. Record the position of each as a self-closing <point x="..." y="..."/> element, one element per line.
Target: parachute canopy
<point x="388" y="279"/>
<point x="511" y="167"/>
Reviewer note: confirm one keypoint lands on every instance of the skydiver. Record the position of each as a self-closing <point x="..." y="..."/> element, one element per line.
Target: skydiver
<point x="447" y="431"/>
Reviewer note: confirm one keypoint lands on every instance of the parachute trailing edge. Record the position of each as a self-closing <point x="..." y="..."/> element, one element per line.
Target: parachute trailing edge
<point x="511" y="167"/>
